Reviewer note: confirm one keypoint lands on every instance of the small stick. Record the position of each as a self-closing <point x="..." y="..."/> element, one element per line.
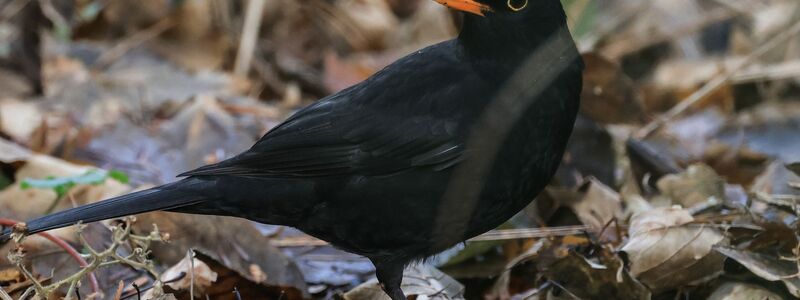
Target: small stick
<point x="132" y="41"/>
<point x="247" y="45"/>
<point x="236" y="293"/>
<point x="4" y="295"/>
<point x="717" y="82"/>
<point x="120" y="287"/>
<point x="67" y="248"/>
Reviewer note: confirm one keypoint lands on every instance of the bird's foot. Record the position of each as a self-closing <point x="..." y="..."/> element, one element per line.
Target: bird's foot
<point x="390" y="277"/>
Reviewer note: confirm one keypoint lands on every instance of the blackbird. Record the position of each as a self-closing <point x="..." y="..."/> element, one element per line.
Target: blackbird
<point x="440" y="146"/>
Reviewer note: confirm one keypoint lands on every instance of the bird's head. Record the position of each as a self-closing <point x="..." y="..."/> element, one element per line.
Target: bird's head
<point x="516" y="25"/>
<point x="501" y="8"/>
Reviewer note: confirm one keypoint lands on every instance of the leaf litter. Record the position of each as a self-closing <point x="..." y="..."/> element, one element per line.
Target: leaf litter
<point x="705" y="206"/>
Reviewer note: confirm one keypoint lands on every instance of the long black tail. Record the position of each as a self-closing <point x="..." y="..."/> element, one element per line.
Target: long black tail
<point x="167" y="197"/>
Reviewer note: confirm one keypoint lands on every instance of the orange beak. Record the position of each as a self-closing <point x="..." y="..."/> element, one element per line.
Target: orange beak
<point x="470" y="6"/>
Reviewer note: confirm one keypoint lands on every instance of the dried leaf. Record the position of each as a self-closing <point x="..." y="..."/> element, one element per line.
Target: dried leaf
<point x="657" y="219"/>
<point x="599" y="206"/>
<point x="19" y="119"/>
<point x="698" y="185"/>
<point x="665" y="252"/>
<point x="10" y="275"/>
<point x="190" y="270"/>
<point x="245" y="251"/>
<point x="609" y="96"/>
<point x="794" y="167"/>
<point x="776" y="180"/>
<point x="768" y="266"/>
<point x="11" y="152"/>
<point x="743" y="291"/>
<point x="37" y="201"/>
<point x="770" y="128"/>
<point x="588" y="279"/>
<point x="229" y="280"/>
<point x="500" y="290"/>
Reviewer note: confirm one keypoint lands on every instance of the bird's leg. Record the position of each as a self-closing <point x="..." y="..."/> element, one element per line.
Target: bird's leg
<point x="390" y="276"/>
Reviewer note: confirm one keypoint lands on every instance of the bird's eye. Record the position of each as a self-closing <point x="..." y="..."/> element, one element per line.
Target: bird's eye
<point x="517" y="5"/>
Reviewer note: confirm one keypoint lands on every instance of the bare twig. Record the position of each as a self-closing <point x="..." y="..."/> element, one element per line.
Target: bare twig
<point x="120" y="236"/>
<point x="625" y="47"/>
<point x="779" y="71"/>
<point x="52" y="14"/>
<point x="494" y="235"/>
<point x="67" y="248"/>
<point x="247" y="45"/>
<point x="529" y="233"/>
<point x="132" y="41"/>
<point x="12" y="8"/>
<point x="4" y="295"/>
<point x="718" y="82"/>
<point x="120" y="287"/>
<point x="190" y="256"/>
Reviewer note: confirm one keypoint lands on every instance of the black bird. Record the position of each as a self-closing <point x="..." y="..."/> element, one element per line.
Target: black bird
<point x="440" y="146"/>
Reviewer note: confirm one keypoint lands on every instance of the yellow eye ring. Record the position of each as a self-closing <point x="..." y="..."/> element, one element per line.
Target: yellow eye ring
<point x="517" y="8"/>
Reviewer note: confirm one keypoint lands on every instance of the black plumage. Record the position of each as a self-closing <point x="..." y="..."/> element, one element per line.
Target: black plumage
<point x="369" y="169"/>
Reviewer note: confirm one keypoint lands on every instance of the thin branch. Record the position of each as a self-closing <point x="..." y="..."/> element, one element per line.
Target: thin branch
<point x="132" y="42"/>
<point x="247" y="45"/>
<point x="717" y="82"/>
<point x="67" y="248"/>
<point x="4" y="295"/>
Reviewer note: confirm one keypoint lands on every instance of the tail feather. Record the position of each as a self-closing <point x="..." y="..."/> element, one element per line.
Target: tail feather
<point x="167" y="197"/>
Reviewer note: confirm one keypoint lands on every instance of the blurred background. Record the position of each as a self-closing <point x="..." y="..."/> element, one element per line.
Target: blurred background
<point x="678" y="183"/>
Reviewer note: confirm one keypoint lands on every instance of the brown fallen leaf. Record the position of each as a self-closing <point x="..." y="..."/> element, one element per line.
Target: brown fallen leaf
<point x="697" y="186"/>
<point x="11" y="152"/>
<point x="37" y="201"/>
<point x="590" y="279"/>
<point x="10" y="275"/>
<point x="737" y="164"/>
<point x="420" y="281"/>
<point x="775" y="194"/>
<point x="794" y="167"/>
<point x="370" y="20"/>
<point x="658" y="219"/>
<point x="234" y="244"/>
<point x="599" y="206"/>
<point x="233" y="285"/>
<point x="767" y="266"/>
<point x="13" y="84"/>
<point x="743" y="291"/>
<point x="190" y="270"/>
<point x="609" y="95"/>
<point x="19" y="119"/>
<point x="665" y="251"/>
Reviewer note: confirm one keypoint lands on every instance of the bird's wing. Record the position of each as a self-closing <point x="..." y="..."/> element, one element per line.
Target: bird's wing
<point x="329" y="139"/>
